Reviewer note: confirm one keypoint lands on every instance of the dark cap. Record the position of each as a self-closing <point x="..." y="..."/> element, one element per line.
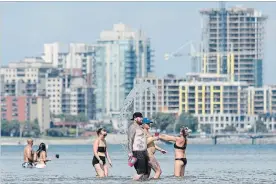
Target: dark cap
<point x="136" y="115"/>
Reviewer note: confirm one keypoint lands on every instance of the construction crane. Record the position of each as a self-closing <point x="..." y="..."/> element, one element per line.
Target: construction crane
<point x="195" y="61"/>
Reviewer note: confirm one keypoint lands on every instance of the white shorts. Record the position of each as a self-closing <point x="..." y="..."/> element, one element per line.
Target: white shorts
<point x="40" y="166"/>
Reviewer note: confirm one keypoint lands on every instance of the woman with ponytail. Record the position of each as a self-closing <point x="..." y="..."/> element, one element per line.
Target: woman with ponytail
<point x="180" y="150"/>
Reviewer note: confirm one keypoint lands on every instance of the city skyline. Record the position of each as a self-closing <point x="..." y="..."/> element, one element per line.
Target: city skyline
<point x="168" y="33"/>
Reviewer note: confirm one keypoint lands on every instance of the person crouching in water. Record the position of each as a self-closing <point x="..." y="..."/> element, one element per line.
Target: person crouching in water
<point x="180" y="150"/>
<point x="41" y="156"/>
<point x="28" y="155"/>
<point x="100" y="154"/>
<point x="151" y="148"/>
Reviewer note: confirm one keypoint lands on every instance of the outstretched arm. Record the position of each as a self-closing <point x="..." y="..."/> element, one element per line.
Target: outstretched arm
<point x="167" y="137"/>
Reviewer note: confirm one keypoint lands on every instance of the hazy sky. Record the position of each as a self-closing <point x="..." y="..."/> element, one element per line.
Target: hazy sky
<point x="26" y="26"/>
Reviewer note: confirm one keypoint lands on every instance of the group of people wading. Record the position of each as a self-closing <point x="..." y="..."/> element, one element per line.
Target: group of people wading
<point x="141" y="150"/>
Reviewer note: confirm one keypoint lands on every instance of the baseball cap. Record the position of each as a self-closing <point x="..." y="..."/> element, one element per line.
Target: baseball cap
<point x="136" y="115"/>
<point x="147" y="121"/>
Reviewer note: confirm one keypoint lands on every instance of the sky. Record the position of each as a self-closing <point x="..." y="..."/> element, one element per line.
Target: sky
<point x="26" y="26"/>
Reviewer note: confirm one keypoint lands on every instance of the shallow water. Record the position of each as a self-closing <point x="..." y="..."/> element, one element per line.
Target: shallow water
<point x="207" y="164"/>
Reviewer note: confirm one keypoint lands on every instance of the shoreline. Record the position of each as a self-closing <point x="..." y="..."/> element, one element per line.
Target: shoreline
<point x="122" y="139"/>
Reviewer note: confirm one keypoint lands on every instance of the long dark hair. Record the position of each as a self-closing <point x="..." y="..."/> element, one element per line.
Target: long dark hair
<point x="42" y="147"/>
<point x="184" y="134"/>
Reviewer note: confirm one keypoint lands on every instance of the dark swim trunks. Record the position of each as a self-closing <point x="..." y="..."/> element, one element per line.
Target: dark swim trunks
<point x="142" y="163"/>
<point x="96" y="161"/>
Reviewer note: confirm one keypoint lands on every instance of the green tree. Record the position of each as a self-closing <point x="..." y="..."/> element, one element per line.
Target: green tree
<point x="5" y="128"/>
<point x="61" y="116"/>
<point x="170" y="128"/>
<point x="162" y="120"/>
<point x="31" y="129"/>
<point x="260" y="127"/>
<point x="71" y="118"/>
<point x="58" y="132"/>
<point x="187" y="120"/>
<point x="230" y="129"/>
<point x="82" y="117"/>
<point x="206" y="128"/>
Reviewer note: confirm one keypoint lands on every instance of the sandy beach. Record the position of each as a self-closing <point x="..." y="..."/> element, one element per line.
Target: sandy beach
<point x="121" y="139"/>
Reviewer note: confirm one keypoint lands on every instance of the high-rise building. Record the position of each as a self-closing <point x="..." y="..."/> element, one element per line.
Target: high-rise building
<point x="55" y="83"/>
<point x="233" y="43"/>
<point x="70" y="94"/>
<point x="79" y="99"/>
<point x="214" y="100"/>
<point x="121" y="55"/>
<point x="71" y="57"/>
<point x="39" y="109"/>
<point x="166" y="100"/>
<point x="261" y="100"/>
<point x="26" y="77"/>
<point x="26" y="108"/>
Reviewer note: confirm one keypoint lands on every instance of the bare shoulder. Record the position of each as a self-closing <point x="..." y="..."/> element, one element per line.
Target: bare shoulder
<point x="180" y="140"/>
<point x="42" y="153"/>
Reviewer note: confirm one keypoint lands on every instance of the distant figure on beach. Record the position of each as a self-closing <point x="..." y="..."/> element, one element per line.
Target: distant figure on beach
<point x="137" y="147"/>
<point x="28" y="155"/>
<point x="100" y="154"/>
<point x="153" y="163"/>
<point x="180" y="148"/>
<point x="41" y="156"/>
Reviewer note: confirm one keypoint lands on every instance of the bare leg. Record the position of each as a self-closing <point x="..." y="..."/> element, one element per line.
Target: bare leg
<point x="138" y="177"/>
<point x="99" y="170"/>
<point x="156" y="167"/>
<point x="183" y="170"/>
<point x="149" y="170"/>
<point x="105" y="170"/>
<point x="177" y="167"/>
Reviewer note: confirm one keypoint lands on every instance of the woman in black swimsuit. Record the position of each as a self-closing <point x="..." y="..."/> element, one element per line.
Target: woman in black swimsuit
<point x="100" y="154"/>
<point x="180" y="148"/>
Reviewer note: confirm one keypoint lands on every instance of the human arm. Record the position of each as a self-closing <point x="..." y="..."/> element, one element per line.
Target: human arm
<point x="95" y="150"/>
<point x="131" y="134"/>
<point x="152" y="139"/>
<point x="167" y="137"/>
<point x="35" y="157"/>
<point x="29" y="154"/>
<point x="107" y="156"/>
<point x="160" y="149"/>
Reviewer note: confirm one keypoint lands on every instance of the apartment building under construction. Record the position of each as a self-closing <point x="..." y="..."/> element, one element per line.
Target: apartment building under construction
<point x="233" y="42"/>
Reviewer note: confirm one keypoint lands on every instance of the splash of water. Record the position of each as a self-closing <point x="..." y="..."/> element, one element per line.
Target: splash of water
<point x="127" y="108"/>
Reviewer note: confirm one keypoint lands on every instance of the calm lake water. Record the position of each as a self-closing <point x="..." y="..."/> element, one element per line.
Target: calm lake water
<point x="206" y="164"/>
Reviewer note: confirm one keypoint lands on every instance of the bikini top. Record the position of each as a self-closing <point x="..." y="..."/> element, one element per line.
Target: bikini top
<point x="183" y="147"/>
<point x="102" y="149"/>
